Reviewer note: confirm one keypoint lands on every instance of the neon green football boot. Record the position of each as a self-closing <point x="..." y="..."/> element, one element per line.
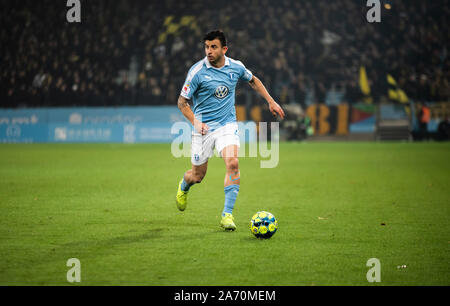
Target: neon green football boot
<point x="227" y="222"/>
<point x="181" y="197"/>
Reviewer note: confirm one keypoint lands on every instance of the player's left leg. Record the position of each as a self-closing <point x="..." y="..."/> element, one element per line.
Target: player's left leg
<point x="231" y="184"/>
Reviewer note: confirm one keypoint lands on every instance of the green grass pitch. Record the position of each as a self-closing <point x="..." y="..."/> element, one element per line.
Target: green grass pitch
<point x="112" y="207"/>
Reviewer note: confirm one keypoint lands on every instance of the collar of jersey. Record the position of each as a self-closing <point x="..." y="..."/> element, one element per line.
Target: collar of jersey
<point x="208" y="65"/>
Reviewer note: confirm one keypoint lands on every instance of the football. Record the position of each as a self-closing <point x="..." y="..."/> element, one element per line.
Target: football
<point x="263" y="225"/>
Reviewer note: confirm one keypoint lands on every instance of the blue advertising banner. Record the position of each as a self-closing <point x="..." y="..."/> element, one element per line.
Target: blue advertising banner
<point x="157" y="124"/>
<point x="23" y="125"/>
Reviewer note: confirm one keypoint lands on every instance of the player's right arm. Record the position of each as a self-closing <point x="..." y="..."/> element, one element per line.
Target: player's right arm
<point x="190" y="86"/>
<point x="185" y="108"/>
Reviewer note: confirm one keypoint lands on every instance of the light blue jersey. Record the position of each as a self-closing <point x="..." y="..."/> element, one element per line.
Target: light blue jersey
<point x="212" y="90"/>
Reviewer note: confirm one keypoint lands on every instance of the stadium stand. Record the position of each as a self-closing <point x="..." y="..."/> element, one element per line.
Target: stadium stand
<point x="138" y="52"/>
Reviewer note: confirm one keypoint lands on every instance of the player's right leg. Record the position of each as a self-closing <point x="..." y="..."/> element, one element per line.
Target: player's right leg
<point x="190" y="177"/>
<point x="201" y="150"/>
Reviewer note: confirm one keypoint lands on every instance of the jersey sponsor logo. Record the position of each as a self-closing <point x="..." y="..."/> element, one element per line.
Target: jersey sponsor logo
<point x="221" y="92"/>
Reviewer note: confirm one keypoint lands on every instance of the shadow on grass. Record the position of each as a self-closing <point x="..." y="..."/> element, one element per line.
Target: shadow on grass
<point x="149" y="234"/>
<point x="92" y="247"/>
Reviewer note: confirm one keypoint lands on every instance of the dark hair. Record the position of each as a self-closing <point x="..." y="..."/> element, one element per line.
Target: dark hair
<point x="216" y="34"/>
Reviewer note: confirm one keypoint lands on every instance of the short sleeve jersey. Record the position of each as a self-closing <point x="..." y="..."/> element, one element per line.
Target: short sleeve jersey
<point x="212" y="90"/>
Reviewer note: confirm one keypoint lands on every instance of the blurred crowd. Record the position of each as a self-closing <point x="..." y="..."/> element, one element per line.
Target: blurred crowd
<point x="138" y="52"/>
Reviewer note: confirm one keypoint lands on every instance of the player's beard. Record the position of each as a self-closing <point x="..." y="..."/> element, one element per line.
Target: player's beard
<point x="214" y="61"/>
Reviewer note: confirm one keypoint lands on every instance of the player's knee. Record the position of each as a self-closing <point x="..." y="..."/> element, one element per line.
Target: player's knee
<point x="233" y="165"/>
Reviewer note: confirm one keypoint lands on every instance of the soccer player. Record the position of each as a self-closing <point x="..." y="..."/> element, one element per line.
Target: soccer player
<point x="210" y="84"/>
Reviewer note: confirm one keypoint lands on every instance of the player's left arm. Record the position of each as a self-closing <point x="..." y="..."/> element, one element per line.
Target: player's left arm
<point x="259" y="87"/>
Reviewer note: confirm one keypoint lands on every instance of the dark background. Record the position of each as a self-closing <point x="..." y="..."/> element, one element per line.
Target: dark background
<point x="126" y="52"/>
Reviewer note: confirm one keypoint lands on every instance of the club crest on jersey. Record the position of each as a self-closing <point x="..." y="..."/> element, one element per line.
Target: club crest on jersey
<point x="221" y="92"/>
